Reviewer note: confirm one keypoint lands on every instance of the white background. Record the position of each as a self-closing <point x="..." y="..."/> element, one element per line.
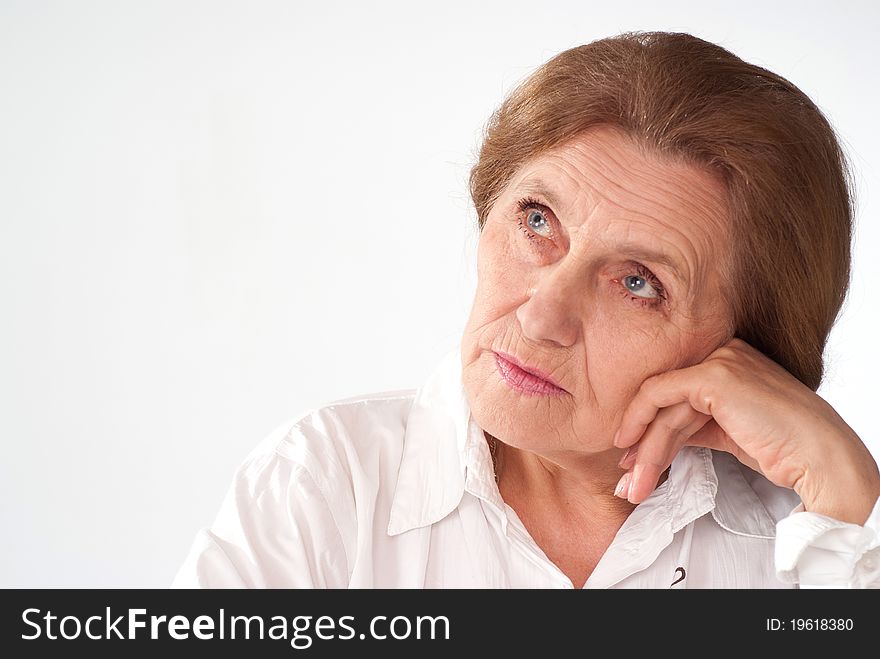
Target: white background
<point x="216" y="215"/>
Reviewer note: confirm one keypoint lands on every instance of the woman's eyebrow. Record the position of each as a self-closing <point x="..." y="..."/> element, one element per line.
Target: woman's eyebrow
<point x="540" y="187"/>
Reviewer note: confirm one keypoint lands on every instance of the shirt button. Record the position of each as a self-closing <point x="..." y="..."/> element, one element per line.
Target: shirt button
<point x="867" y="568"/>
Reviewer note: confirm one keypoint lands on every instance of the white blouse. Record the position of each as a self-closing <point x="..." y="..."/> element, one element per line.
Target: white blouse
<point x="397" y="490"/>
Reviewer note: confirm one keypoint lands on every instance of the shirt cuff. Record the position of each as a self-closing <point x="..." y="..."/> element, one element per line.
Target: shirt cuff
<point x="817" y="551"/>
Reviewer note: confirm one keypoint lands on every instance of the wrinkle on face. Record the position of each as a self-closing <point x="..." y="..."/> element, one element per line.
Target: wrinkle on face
<point x="559" y="307"/>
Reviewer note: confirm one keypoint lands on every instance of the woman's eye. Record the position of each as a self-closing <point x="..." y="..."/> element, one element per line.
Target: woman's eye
<point x="640" y="287"/>
<point x="537" y="222"/>
<point x="533" y="219"/>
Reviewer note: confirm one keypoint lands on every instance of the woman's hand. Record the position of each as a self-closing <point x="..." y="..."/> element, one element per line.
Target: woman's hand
<point x="740" y="401"/>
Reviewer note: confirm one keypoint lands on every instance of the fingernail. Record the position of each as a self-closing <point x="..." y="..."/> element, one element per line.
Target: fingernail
<point x="622" y="489"/>
<point x="627" y="457"/>
<point x="637" y="472"/>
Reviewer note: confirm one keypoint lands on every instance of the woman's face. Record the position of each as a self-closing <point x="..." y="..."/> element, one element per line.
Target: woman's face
<point x="606" y="274"/>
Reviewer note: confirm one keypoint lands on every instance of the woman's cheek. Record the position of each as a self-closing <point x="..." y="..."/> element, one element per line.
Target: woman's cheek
<point x="501" y="278"/>
<point x="626" y="343"/>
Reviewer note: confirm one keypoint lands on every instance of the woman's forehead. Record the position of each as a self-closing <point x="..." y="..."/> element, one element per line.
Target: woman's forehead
<point x="605" y="165"/>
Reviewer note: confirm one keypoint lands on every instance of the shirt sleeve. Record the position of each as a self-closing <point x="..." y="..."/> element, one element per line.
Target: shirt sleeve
<point x="274" y="530"/>
<point x="817" y="551"/>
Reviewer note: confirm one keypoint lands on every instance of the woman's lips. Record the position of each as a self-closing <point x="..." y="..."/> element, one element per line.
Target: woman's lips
<point x="523" y="381"/>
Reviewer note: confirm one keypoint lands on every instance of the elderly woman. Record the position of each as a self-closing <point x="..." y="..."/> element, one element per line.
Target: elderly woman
<point x="664" y="247"/>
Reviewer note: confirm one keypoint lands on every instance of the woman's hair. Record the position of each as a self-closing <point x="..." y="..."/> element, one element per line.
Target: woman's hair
<point x="787" y="179"/>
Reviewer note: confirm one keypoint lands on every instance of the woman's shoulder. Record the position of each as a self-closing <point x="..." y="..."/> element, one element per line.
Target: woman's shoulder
<point x="358" y="424"/>
<point x="294" y="511"/>
<point x="337" y="435"/>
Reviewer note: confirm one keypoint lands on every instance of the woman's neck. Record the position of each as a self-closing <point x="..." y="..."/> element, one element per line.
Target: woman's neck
<point x="581" y="484"/>
<point x="566" y="501"/>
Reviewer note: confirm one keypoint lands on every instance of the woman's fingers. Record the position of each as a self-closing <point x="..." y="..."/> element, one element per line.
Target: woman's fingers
<point x="659" y="392"/>
<point x="662" y="439"/>
<point x="712" y="436"/>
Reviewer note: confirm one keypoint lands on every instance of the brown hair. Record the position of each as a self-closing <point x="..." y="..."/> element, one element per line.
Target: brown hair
<point x="787" y="178"/>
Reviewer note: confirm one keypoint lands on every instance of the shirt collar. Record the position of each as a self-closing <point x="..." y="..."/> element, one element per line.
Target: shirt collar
<point x="445" y="454"/>
<point x="431" y="479"/>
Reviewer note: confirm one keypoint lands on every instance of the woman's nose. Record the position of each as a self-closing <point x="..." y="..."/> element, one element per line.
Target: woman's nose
<point x="552" y="310"/>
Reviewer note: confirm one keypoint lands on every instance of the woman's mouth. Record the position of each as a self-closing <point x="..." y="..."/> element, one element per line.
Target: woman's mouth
<point x="523" y="381"/>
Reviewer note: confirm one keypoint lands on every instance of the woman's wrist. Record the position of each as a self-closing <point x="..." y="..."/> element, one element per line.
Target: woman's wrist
<point x="843" y="482"/>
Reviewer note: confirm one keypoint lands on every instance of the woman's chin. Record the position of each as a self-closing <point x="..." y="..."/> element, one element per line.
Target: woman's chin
<point x="531" y="431"/>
